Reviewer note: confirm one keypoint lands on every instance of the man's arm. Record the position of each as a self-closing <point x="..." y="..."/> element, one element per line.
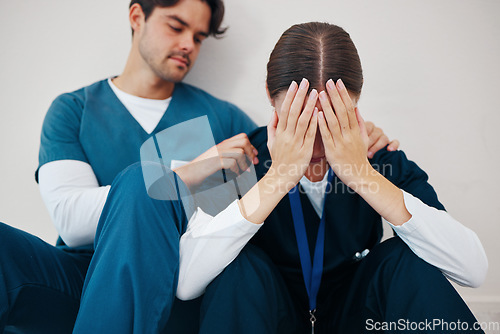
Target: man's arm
<point x="235" y="154"/>
<point x="74" y="199"/>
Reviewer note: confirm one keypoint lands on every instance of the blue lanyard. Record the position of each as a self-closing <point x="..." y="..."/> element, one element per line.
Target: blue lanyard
<point x="312" y="273"/>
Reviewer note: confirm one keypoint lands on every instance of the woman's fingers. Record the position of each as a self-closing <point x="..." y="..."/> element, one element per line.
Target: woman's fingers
<point x="338" y="106"/>
<point x="361" y="123"/>
<point x="331" y="119"/>
<point x="297" y="106"/>
<point x="285" y="106"/>
<point x="311" y="130"/>
<point x="305" y="116"/>
<point x="362" y="127"/>
<point x="326" y="135"/>
<point x="348" y="105"/>
<point x="271" y="129"/>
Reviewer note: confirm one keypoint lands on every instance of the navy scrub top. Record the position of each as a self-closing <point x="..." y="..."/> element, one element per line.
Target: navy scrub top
<point x="352" y="225"/>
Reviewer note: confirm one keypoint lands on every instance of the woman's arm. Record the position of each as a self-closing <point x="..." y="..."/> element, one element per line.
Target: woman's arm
<point x="432" y="234"/>
<point x="439" y="239"/>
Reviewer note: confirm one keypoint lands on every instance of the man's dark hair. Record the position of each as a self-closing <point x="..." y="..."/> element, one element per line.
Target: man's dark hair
<point x="216" y="6"/>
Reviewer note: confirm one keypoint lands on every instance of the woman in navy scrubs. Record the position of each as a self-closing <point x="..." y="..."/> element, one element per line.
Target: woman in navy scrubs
<point x="317" y="263"/>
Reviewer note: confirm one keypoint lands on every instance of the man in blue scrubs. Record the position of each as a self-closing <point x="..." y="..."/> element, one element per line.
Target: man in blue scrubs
<point x="89" y="136"/>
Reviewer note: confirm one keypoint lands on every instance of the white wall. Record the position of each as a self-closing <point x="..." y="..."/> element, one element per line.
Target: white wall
<point x="431" y="71"/>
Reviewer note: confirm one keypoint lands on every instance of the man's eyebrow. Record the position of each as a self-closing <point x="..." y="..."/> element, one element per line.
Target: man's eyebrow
<point x="185" y="24"/>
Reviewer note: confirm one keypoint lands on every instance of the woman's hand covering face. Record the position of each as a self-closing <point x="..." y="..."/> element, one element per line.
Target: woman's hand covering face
<point x="291" y="137"/>
<point x="343" y="133"/>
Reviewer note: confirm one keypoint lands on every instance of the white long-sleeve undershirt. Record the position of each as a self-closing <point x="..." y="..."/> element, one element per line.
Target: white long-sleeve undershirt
<point x="209" y="244"/>
<point x="73" y="198"/>
<point x="432" y="234"/>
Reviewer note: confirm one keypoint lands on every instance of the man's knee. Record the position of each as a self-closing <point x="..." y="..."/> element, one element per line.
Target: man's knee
<point x="150" y="179"/>
<point x="10" y="241"/>
<point x="130" y="180"/>
<point x="129" y="204"/>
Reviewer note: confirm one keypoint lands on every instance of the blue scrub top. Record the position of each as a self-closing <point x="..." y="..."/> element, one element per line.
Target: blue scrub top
<point x="93" y="126"/>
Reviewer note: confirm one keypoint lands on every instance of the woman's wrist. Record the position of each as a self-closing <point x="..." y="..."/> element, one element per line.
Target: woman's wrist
<point x="383" y="196"/>
<point x="282" y="178"/>
<point x="263" y="197"/>
<point x="368" y="182"/>
<point x="359" y="177"/>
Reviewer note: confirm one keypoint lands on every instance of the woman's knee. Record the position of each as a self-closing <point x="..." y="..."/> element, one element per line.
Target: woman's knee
<point x="252" y="263"/>
<point x="252" y="293"/>
<point x="393" y="258"/>
<point x="251" y="272"/>
<point x="390" y="251"/>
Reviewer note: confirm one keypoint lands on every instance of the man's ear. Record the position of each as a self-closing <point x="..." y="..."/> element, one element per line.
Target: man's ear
<point x="136" y="17"/>
<point x="269" y="96"/>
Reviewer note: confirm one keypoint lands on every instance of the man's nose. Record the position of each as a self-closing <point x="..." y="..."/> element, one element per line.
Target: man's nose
<point x="187" y="43"/>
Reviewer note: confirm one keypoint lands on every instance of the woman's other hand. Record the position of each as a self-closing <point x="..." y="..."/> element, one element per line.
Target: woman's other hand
<point x="344" y="134"/>
<point x="345" y="141"/>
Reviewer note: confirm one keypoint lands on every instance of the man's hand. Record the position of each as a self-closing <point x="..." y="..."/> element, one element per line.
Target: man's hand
<point x="232" y="153"/>
<point x="378" y="140"/>
<point x="235" y="154"/>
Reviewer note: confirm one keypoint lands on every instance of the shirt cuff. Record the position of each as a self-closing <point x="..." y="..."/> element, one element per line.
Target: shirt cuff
<point x="412" y="205"/>
<point x="226" y="220"/>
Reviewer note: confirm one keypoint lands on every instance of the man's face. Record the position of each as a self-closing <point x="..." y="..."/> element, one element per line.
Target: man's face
<point x="170" y="39"/>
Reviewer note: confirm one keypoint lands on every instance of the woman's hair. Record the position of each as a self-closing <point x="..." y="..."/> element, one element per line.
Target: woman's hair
<point x="315" y="51"/>
<point x="216" y="6"/>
